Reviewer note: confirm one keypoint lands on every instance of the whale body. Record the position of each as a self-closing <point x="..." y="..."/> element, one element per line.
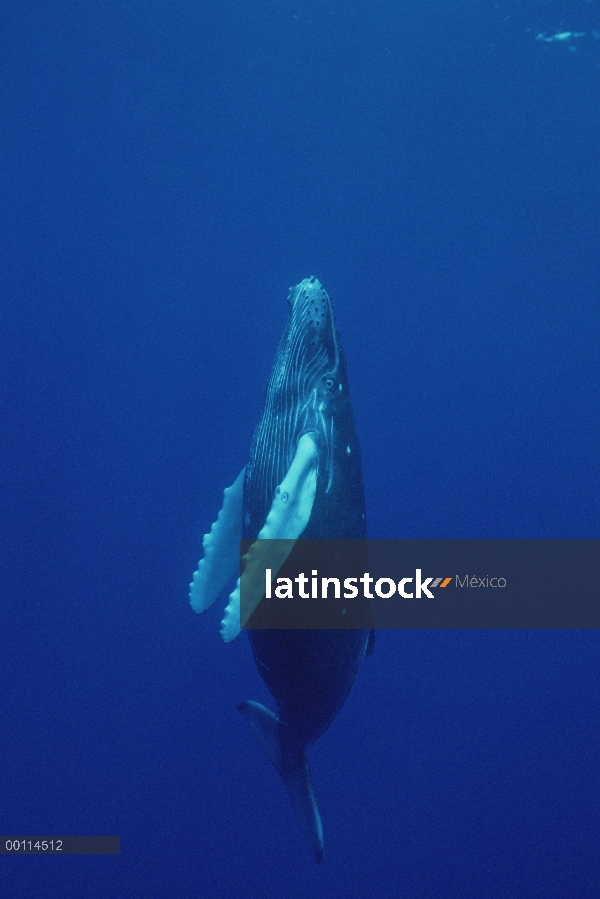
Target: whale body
<point x="303" y="479"/>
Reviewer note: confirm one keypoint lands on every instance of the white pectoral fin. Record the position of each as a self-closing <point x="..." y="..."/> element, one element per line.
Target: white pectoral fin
<point x="221" y="549"/>
<point x="286" y="522"/>
<point x="294" y="498"/>
<point x="262" y="554"/>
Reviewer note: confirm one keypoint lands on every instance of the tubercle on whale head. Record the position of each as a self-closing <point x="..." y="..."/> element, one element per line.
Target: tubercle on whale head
<point x="311" y="290"/>
<point x="312" y="322"/>
<point x="310" y="300"/>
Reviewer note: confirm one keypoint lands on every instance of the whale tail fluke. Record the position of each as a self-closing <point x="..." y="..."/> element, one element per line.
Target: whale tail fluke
<point x="293" y="769"/>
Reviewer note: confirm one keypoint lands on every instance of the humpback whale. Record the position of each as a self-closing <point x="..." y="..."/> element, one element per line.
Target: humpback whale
<point x="303" y="478"/>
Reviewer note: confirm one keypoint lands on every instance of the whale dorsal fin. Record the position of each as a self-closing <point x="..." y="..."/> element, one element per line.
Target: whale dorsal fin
<point x="287" y="519"/>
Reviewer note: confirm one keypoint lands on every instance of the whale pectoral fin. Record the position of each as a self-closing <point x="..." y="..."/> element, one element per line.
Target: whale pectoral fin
<point x="287" y="519"/>
<point x="294" y="772"/>
<point x="294" y="498"/>
<point x="221" y="549"/>
<point x="262" y="554"/>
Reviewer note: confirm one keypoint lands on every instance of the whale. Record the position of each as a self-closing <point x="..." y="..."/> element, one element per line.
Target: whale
<point x="303" y="479"/>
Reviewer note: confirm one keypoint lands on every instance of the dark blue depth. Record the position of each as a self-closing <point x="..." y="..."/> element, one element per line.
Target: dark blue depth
<point x="167" y="171"/>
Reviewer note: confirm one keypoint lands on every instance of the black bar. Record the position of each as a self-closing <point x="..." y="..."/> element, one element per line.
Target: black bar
<point x="60" y="845"/>
<point x="479" y="584"/>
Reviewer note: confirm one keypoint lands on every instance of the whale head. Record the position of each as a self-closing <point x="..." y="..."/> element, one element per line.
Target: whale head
<point x="306" y="389"/>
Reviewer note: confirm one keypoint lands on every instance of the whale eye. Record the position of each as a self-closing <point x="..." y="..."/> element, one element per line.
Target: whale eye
<point x="329" y="383"/>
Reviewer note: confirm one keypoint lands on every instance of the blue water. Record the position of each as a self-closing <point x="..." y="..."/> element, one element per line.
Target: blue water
<point x="168" y="170"/>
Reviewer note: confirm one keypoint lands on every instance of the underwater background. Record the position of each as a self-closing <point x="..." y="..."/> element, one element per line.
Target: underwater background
<point x="167" y="171"/>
